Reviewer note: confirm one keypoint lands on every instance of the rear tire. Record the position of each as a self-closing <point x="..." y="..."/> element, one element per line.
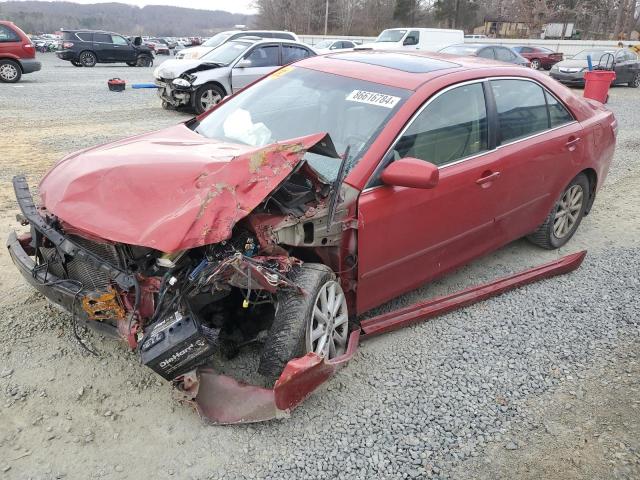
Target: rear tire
<point x="535" y="64"/>
<point x="297" y="326"/>
<point x="565" y="216"/>
<point x="10" y="71"/>
<point x="635" y="83"/>
<point x="88" y="59"/>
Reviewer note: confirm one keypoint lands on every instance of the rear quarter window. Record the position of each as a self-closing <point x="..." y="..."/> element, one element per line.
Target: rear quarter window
<point x="558" y="114"/>
<point x="8" y="35"/>
<point x="85" y="36"/>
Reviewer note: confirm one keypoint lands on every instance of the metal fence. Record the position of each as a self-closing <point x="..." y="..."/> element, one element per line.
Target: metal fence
<point x="567" y="47"/>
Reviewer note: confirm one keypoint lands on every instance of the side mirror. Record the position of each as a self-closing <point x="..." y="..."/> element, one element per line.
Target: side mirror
<point x="411" y="172"/>
<point x="410" y="41"/>
<point x="244" y="63"/>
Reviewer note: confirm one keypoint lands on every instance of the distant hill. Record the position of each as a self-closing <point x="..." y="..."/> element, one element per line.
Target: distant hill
<point x="46" y="17"/>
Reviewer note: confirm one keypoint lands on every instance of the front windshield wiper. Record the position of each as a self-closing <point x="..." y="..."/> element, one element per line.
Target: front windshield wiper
<point x="335" y="188"/>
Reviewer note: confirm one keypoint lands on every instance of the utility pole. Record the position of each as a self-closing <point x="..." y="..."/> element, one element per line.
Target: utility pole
<point x="326" y="17"/>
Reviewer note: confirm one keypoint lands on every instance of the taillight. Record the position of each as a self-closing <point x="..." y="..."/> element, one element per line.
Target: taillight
<point x="67" y="44"/>
<point x="27" y="45"/>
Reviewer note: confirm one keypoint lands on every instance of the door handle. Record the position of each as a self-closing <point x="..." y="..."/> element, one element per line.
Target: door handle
<point x="487" y="178"/>
<point x="572" y="142"/>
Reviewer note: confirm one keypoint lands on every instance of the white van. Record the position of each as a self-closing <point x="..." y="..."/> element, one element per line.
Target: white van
<point x="432" y="39"/>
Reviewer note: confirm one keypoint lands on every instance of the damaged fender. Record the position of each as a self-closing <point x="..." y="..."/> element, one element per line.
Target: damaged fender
<point x="220" y="399"/>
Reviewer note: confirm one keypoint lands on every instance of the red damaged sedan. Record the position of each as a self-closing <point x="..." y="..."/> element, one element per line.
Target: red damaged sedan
<point x="298" y="204"/>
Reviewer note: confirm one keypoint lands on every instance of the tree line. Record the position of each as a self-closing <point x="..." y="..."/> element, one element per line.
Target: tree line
<point x="597" y="19"/>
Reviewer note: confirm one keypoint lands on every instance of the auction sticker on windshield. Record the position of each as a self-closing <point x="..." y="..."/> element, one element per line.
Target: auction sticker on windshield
<point x="372" y="98"/>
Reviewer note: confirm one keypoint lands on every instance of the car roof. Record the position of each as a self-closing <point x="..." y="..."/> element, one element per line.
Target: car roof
<point x="256" y="41"/>
<point x="393" y="68"/>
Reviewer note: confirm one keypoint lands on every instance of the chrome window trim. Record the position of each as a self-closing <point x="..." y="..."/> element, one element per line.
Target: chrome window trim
<point x="471" y="157"/>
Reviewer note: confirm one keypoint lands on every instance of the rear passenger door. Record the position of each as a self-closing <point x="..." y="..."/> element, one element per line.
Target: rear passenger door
<point x="258" y="62"/>
<point x="540" y="144"/>
<point x="103" y="47"/>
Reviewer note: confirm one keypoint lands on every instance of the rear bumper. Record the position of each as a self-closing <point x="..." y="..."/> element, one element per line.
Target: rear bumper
<point x="30" y="65"/>
<point x="573" y="79"/>
<point x="66" y="55"/>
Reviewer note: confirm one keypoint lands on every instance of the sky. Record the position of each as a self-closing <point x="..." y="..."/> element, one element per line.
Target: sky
<point x="233" y="6"/>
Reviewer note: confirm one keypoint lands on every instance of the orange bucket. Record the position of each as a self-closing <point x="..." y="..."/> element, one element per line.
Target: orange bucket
<point x="597" y="83"/>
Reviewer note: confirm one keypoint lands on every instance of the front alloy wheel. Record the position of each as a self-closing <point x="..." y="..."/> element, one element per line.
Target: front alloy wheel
<point x="635" y="83"/>
<point x="327" y="331"/>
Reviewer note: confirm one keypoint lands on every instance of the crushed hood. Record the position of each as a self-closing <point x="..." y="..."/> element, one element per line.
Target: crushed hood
<point x="170" y="69"/>
<point x="170" y="190"/>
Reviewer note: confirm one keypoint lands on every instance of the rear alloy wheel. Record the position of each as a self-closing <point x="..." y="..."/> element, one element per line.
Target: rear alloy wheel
<point x="635" y="83"/>
<point x="535" y="64"/>
<point x="206" y="97"/>
<point x="88" y="59"/>
<point x="10" y="71"/>
<point x="312" y="320"/>
<point x="565" y="217"/>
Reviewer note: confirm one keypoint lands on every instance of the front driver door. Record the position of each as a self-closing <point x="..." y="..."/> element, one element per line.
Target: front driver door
<point x="123" y="50"/>
<point x="408" y="236"/>
<point x="262" y="59"/>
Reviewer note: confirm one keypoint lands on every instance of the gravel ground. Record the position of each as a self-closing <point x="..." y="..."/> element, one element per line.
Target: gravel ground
<point x="509" y="388"/>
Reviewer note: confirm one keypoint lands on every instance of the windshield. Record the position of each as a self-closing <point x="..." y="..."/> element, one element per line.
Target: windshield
<point x="294" y="102"/>
<point x="595" y="54"/>
<point x="226" y="53"/>
<point x="391" y="36"/>
<point x="217" y="39"/>
<point x="324" y="44"/>
<point x="460" y="50"/>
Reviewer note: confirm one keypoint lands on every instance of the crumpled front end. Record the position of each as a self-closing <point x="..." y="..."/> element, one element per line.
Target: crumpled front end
<point x="186" y="260"/>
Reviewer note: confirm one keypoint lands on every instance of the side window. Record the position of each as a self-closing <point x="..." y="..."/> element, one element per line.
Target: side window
<point x="631" y="56"/>
<point x="347" y="44"/>
<point x="451" y="127"/>
<point x="504" y="54"/>
<point x="292" y="53"/>
<point x="558" y="114"/>
<point x="8" y="35"/>
<point x="102" y="37"/>
<point x="266" y="56"/>
<point x="413" y="38"/>
<point x="522" y="109"/>
<point x="85" y="36"/>
<point x="486" y="53"/>
<point x="118" y="40"/>
<point x="525" y="50"/>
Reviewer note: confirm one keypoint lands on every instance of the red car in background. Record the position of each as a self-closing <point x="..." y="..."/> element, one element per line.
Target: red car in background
<point x="17" y="53"/>
<point x="295" y="206"/>
<point x="540" y="57"/>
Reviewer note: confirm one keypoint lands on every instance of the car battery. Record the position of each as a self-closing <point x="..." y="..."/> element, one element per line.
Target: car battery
<point x="116" y="84"/>
<point x="175" y="345"/>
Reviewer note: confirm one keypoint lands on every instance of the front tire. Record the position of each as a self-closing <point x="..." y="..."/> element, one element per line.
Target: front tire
<point x="206" y="97"/>
<point x="76" y="63"/>
<point x="10" y="71"/>
<point x="565" y="216"/>
<point x="314" y="320"/>
<point x="635" y="83"/>
<point x="144" y="61"/>
<point x="88" y="59"/>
